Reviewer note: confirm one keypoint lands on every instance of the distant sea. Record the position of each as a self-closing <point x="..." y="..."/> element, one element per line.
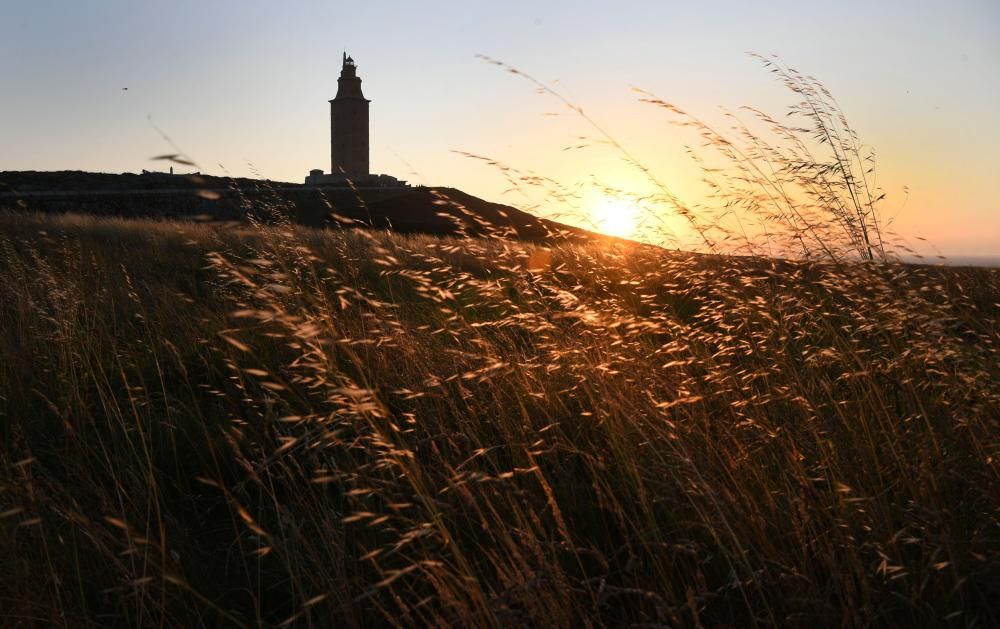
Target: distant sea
<point x="993" y="261"/>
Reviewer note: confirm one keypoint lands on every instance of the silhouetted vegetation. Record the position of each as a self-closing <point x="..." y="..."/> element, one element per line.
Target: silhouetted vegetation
<point x="271" y="425"/>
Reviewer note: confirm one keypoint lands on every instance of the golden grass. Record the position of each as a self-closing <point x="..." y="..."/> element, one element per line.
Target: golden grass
<point x="281" y="426"/>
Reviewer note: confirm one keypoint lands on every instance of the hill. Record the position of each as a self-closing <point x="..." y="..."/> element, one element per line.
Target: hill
<point x="205" y="425"/>
<point x="439" y="211"/>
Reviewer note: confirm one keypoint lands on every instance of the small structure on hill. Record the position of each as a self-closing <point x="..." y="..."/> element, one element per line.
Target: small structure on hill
<point x="349" y="137"/>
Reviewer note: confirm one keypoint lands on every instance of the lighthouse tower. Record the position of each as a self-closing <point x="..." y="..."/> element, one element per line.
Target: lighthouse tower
<point x="349" y="125"/>
<point x="349" y="138"/>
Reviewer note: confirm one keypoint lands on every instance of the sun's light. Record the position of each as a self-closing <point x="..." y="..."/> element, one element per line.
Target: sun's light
<point x="615" y="217"/>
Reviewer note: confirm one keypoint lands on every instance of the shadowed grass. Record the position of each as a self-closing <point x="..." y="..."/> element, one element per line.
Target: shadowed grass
<point x="274" y="425"/>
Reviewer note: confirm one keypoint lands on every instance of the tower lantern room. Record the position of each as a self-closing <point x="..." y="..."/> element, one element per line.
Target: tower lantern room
<point x="349" y="124"/>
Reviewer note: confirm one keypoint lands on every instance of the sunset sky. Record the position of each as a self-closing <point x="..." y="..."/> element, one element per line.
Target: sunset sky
<point x="242" y="87"/>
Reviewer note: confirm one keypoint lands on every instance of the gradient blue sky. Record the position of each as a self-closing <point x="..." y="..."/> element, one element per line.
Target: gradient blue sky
<point x="243" y="86"/>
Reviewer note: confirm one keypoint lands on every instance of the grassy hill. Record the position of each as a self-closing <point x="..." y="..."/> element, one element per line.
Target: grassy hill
<point x="429" y="210"/>
<point x="206" y="425"/>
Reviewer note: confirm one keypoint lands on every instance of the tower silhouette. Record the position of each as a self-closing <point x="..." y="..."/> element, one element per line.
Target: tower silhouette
<point x="349" y="124"/>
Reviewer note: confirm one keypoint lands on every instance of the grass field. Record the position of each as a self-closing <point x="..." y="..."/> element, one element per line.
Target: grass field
<point x="207" y="425"/>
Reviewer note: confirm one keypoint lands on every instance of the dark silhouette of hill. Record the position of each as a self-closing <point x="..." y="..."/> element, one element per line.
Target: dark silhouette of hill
<point x="28" y="181"/>
<point x="430" y="210"/>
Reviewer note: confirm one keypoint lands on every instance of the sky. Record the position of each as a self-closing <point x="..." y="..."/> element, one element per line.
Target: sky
<point x="243" y="88"/>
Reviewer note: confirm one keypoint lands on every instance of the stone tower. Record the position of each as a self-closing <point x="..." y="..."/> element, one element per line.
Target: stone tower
<point x="349" y="124"/>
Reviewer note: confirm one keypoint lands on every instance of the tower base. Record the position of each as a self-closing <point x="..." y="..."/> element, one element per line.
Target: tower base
<point x="319" y="178"/>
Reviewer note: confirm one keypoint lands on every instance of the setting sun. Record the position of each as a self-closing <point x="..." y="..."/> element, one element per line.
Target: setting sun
<point x="615" y="217"/>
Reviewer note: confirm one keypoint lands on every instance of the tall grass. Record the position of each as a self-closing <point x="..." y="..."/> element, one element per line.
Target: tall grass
<point x="799" y="185"/>
<point x="273" y="426"/>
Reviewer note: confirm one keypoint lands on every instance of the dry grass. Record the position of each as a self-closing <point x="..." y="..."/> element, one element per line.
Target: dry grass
<point x="798" y="184"/>
<point x="280" y="426"/>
